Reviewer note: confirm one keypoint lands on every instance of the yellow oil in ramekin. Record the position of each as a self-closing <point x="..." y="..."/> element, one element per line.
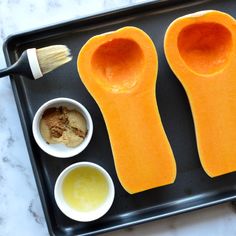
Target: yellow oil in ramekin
<point x="85" y="189"/>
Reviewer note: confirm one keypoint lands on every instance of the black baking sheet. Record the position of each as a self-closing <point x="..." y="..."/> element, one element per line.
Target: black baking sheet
<point x="193" y="189"/>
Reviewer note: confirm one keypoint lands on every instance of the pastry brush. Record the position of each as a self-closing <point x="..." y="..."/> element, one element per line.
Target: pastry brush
<point x="34" y="63"/>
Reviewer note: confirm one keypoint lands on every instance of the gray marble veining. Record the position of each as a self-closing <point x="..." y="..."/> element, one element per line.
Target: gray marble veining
<point x="20" y="208"/>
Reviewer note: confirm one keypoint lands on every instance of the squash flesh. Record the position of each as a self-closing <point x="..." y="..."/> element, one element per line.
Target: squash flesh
<point x="199" y="49"/>
<point x="142" y="155"/>
<point x="119" y="70"/>
<point x="205" y="47"/>
<point x="117" y="63"/>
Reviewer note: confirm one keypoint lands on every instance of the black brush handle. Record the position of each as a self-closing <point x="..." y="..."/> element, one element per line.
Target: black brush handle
<point x="20" y="67"/>
<point x="5" y="72"/>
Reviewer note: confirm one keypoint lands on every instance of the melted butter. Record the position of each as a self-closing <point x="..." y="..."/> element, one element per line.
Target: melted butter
<point x="85" y="189"/>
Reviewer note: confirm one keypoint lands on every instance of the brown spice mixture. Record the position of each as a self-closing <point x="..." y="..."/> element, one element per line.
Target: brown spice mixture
<point x="61" y="125"/>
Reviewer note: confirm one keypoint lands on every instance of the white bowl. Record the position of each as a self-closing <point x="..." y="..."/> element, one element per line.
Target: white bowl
<point x="77" y="215"/>
<point x="61" y="150"/>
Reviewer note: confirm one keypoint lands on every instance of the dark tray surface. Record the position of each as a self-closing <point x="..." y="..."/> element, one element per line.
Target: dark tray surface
<point x="193" y="189"/>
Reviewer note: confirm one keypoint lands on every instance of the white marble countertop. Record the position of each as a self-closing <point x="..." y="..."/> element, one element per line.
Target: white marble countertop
<point x="20" y="207"/>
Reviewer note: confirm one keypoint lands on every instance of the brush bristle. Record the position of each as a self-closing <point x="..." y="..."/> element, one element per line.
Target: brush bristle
<point x="52" y="57"/>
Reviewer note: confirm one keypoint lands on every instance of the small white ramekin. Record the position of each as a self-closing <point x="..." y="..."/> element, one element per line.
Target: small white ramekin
<point x="83" y="216"/>
<point x="61" y="150"/>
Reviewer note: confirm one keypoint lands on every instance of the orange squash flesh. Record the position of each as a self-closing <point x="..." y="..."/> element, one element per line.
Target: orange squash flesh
<point x="119" y="70"/>
<point x="200" y="49"/>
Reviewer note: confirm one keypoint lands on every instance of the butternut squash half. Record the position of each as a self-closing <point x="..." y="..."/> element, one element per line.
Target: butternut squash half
<point x="119" y="69"/>
<point x="200" y="49"/>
